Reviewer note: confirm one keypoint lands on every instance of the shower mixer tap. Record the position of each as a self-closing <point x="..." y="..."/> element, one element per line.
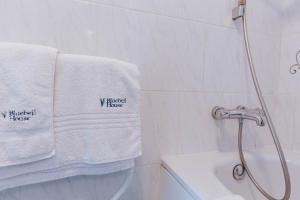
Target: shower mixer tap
<point x="257" y="115"/>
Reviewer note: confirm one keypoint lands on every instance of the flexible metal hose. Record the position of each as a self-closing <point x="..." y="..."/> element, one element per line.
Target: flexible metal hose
<point x="269" y="123"/>
<point x="125" y="185"/>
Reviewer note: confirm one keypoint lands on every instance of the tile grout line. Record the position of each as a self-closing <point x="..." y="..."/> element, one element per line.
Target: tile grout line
<point x="169" y="16"/>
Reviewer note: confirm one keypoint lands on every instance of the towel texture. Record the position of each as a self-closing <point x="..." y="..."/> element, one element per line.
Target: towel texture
<point x="97" y="103"/>
<point x="97" y="124"/>
<point x="26" y="106"/>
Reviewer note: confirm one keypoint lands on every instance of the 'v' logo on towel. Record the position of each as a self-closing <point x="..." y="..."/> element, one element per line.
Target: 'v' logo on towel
<point x="102" y="101"/>
<point x="4" y="114"/>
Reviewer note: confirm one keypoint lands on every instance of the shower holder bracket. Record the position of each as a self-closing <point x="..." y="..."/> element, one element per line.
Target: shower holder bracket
<point x="238" y="12"/>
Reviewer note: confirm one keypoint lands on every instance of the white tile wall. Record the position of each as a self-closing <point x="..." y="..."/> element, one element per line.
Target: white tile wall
<point x="191" y="57"/>
<point x="291" y="17"/>
<point x="288" y="88"/>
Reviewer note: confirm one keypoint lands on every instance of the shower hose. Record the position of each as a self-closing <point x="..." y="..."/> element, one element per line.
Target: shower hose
<point x="125" y="185"/>
<point x="269" y="123"/>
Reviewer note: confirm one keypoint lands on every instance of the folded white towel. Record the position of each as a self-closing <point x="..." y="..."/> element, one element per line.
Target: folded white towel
<point x="26" y="105"/>
<point x="90" y="137"/>
<point x="65" y="171"/>
<point x="97" y="103"/>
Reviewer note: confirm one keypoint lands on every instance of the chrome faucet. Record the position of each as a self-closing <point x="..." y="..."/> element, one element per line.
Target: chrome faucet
<point x="257" y="115"/>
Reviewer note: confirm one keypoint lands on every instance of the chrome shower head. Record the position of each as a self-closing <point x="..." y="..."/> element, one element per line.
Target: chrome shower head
<point x="242" y="2"/>
<point x="239" y="11"/>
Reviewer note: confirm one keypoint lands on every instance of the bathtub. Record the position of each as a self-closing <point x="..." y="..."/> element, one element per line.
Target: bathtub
<point x="208" y="176"/>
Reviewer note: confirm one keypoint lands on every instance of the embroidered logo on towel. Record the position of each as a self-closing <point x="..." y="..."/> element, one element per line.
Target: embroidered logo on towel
<point x="113" y="102"/>
<point x="14" y="115"/>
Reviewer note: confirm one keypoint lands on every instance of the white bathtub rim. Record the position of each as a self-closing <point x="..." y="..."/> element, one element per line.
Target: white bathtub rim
<point x="183" y="167"/>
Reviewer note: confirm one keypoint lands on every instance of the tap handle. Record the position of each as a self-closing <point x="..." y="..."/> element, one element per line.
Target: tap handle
<point x="216" y="114"/>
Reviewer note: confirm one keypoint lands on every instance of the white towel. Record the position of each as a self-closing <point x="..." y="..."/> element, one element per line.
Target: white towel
<point x="65" y="171"/>
<point x="97" y="102"/>
<point x="90" y="138"/>
<point x="26" y="105"/>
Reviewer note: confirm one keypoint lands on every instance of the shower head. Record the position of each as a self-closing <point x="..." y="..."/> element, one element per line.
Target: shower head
<point x="239" y="11"/>
<point x="242" y="2"/>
